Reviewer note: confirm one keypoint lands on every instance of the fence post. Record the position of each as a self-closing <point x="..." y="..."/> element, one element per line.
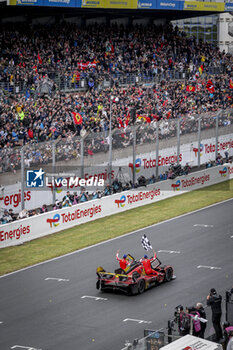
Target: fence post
<point x="53" y="166"/>
<point x="82" y="157"/>
<point x="199" y="142"/>
<point x="178" y="141"/>
<point x="216" y="137"/>
<point x="110" y="144"/>
<point x="22" y="177"/>
<point x="134" y="154"/>
<point x="157" y="151"/>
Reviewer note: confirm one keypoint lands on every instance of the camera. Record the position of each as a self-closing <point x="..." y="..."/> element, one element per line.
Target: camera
<point x="229" y="295"/>
<point x="178" y="309"/>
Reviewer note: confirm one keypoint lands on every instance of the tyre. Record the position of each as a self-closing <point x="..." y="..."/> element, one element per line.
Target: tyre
<point x="168" y="274"/>
<point x="141" y="286"/>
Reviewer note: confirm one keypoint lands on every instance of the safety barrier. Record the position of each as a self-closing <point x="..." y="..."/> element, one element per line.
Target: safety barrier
<point x="25" y="230"/>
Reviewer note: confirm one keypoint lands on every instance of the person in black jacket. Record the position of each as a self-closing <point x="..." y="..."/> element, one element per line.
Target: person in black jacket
<point x="215" y="301"/>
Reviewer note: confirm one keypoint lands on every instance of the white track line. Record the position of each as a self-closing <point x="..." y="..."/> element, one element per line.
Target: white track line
<point x="113" y="239"/>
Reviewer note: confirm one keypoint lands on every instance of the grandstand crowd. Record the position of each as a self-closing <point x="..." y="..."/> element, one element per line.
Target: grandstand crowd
<point x="29" y="55"/>
<point x="63" y="55"/>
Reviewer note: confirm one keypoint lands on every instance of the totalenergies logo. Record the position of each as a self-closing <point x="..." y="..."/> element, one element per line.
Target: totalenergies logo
<point x="58" y="188"/>
<point x="223" y="172"/>
<point x="195" y="150"/>
<point x="176" y="186"/>
<point x="54" y="222"/>
<point x="138" y="163"/>
<point x="120" y="202"/>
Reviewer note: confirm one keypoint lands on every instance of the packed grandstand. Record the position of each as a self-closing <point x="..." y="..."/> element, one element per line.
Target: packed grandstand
<point x="70" y="85"/>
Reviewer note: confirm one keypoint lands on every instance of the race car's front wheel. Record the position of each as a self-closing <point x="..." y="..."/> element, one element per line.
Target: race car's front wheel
<point x="141" y="286"/>
<point x="168" y="274"/>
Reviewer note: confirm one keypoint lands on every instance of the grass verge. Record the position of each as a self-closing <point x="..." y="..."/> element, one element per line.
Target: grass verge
<point x="15" y="258"/>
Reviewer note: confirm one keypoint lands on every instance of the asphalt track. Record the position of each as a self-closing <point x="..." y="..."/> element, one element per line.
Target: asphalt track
<point x="53" y="315"/>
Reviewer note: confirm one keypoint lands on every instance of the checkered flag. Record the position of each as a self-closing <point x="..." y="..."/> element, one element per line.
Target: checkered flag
<point x="145" y="243"/>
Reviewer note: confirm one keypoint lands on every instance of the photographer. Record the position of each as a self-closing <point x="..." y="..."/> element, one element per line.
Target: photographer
<point x="183" y="320"/>
<point x="83" y="196"/>
<point x="215" y="301"/>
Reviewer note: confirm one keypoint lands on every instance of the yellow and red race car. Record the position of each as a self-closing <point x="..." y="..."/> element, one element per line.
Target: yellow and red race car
<point x="133" y="280"/>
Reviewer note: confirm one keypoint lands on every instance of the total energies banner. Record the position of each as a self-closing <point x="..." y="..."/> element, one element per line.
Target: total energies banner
<point x="25" y="230"/>
<point x="145" y="164"/>
<point x="204" y="6"/>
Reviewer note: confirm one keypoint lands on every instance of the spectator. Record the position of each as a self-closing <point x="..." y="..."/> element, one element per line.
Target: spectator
<point x="184" y="322"/>
<point x="13" y="215"/>
<point x="23" y="214"/>
<point x="196" y="324"/>
<point x="230" y="342"/>
<point x="44" y="208"/>
<point x="215" y="301"/>
<point x="202" y="313"/>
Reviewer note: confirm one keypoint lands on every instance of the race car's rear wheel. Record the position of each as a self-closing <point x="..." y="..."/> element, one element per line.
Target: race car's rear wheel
<point x="168" y="274"/>
<point x="141" y="286"/>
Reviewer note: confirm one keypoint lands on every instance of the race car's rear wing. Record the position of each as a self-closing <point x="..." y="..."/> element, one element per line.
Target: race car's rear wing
<point x="101" y="273"/>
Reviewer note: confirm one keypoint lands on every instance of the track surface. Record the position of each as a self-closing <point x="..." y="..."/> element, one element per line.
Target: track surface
<point x="52" y="315"/>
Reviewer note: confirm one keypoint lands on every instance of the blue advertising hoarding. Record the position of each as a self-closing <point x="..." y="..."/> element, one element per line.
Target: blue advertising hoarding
<point x="229" y="6"/>
<point x="55" y="3"/>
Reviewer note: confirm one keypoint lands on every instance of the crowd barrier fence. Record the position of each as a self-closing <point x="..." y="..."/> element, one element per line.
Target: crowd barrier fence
<point x="37" y="226"/>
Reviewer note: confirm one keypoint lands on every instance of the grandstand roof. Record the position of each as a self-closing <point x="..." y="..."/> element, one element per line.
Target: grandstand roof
<point x="39" y="11"/>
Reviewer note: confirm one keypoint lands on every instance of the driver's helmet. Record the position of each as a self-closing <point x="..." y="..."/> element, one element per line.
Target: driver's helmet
<point x="145" y="257"/>
<point x="124" y="256"/>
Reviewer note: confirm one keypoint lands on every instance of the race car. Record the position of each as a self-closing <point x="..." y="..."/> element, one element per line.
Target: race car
<point x="133" y="280"/>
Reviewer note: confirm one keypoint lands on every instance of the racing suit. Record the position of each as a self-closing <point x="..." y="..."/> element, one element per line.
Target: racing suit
<point x="123" y="262"/>
<point x="147" y="265"/>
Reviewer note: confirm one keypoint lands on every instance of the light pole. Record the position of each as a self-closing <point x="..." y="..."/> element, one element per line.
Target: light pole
<point x="110" y="139"/>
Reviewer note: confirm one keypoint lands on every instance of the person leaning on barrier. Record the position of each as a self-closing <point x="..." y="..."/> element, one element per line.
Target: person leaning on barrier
<point x="202" y="313"/>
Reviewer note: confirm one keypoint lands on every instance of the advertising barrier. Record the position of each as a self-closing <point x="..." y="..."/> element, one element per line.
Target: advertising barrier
<point x="10" y="196"/>
<point x="55" y="3"/>
<point x="229" y="6"/>
<point x="25" y="230"/>
<point x="161" y="5"/>
<point x="129" y="4"/>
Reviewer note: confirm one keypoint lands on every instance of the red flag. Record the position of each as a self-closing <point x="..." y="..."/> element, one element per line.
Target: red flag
<point x="120" y="123"/>
<point x="39" y="58"/>
<point x="201" y="69"/>
<point x="211" y="89"/>
<point x="190" y="88"/>
<point x="77" y="118"/>
<point x="127" y="120"/>
<point x="210" y="86"/>
<point x="231" y="84"/>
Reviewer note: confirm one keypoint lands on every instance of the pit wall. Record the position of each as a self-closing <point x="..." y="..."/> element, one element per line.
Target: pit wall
<point x="28" y="229"/>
